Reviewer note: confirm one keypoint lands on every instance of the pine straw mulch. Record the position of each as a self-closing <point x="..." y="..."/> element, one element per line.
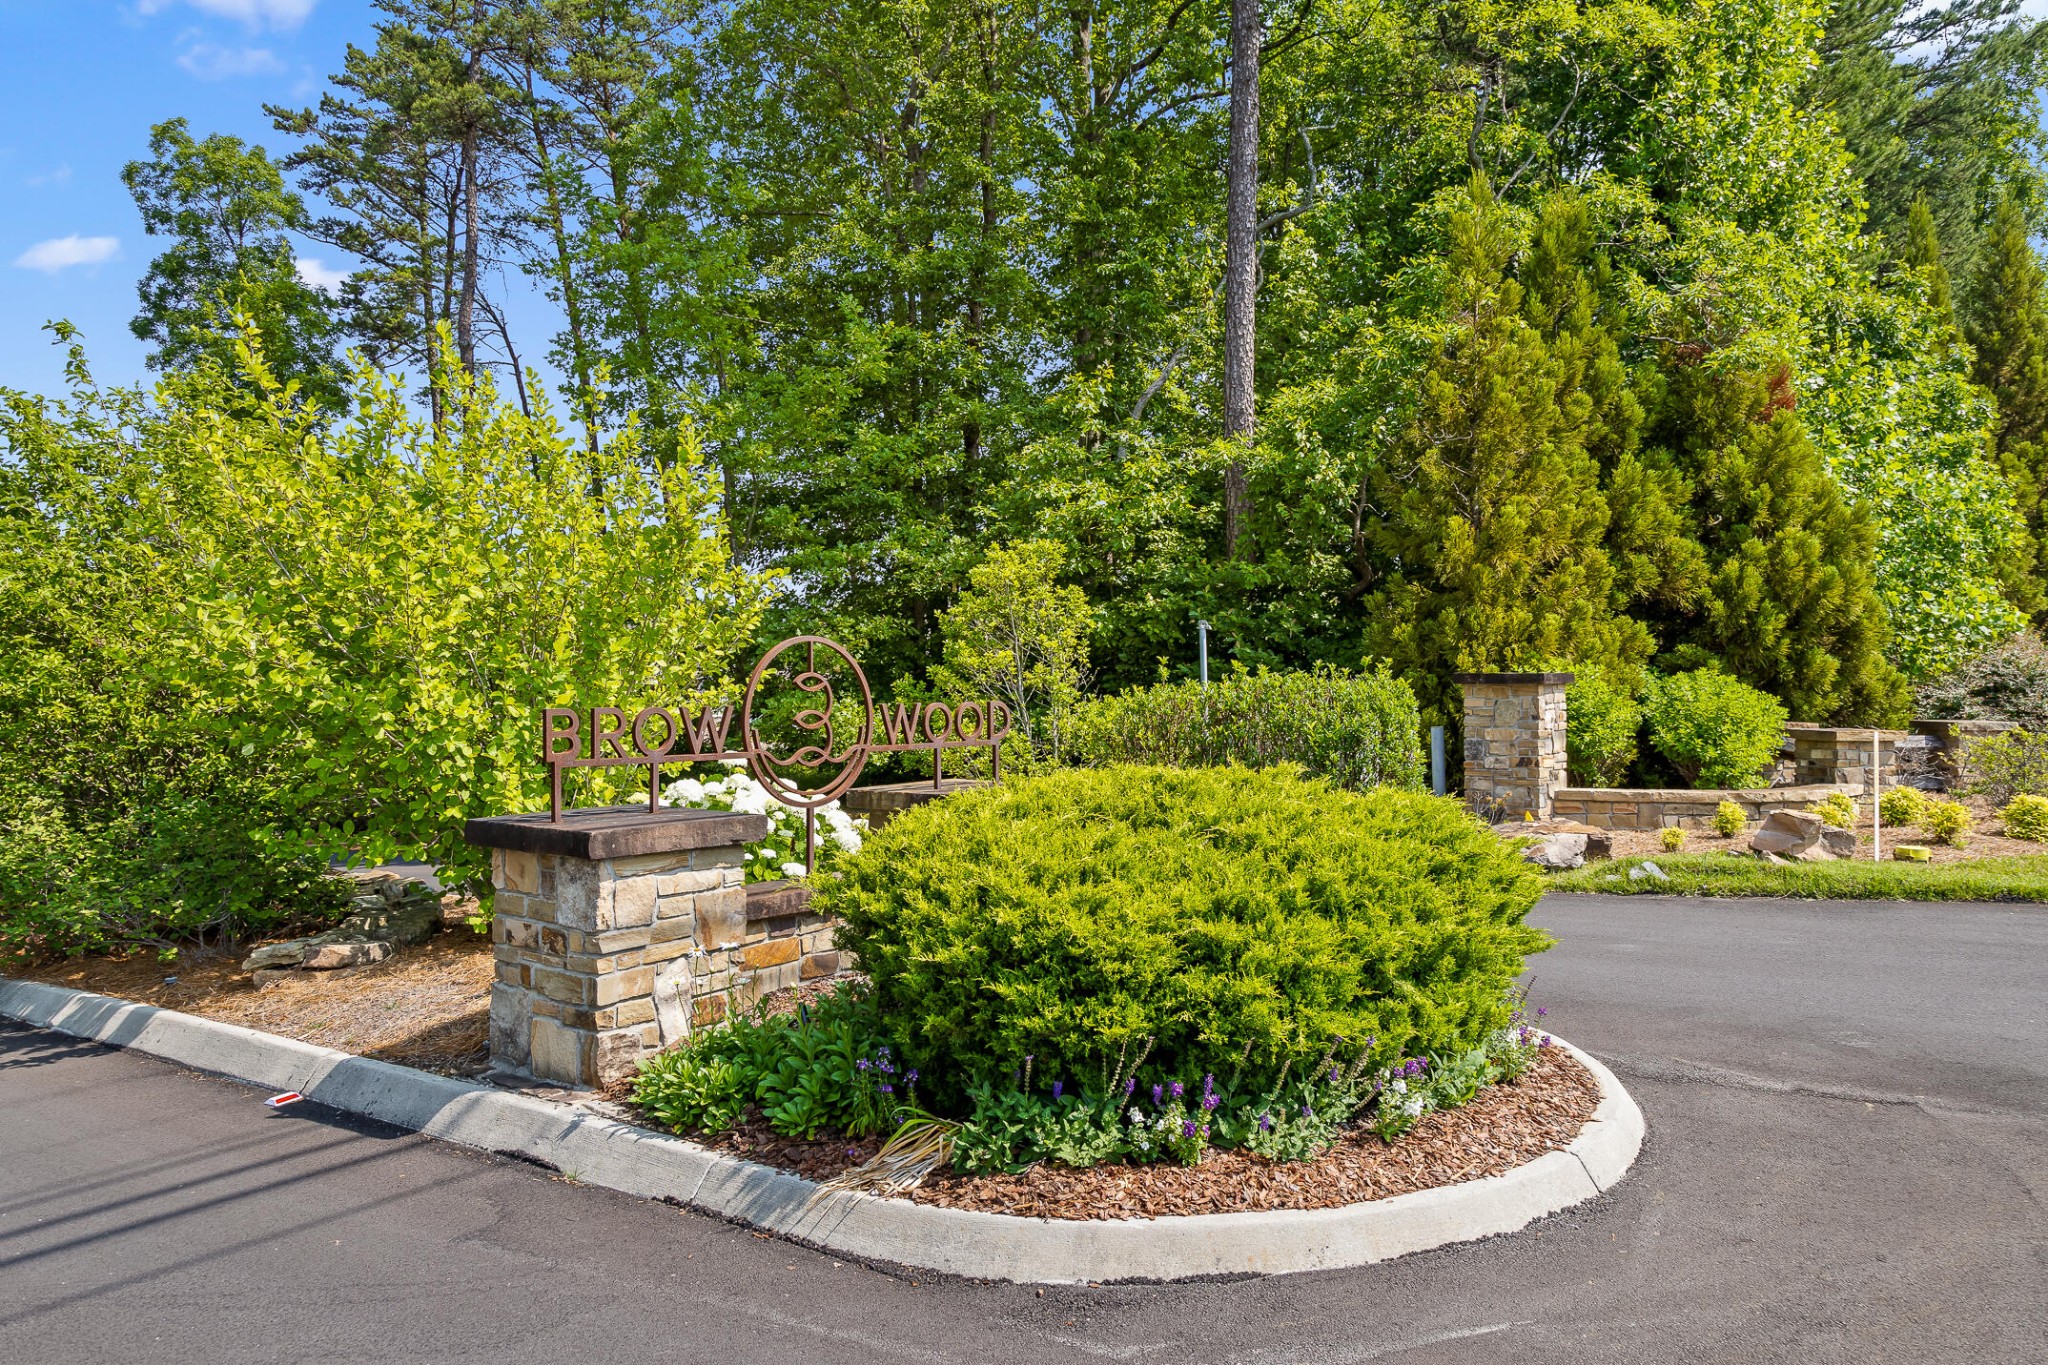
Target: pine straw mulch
<point x="1986" y="840"/>
<point x="1504" y="1126"/>
<point x="427" y="1007"/>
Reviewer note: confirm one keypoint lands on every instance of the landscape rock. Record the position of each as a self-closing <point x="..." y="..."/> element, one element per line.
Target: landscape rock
<point x="1840" y="842"/>
<point x="330" y="957"/>
<point x="1648" y="872"/>
<point x="1911" y="853"/>
<point x="1817" y="854"/>
<point x="1787" y="832"/>
<point x="1558" y="852"/>
<point x="406" y="923"/>
<point x="275" y="955"/>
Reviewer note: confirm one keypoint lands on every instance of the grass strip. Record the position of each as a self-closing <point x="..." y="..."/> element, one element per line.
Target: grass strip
<point x="1726" y="874"/>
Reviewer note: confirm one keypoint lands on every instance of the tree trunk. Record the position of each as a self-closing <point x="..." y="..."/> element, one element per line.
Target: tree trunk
<point x="465" y="320"/>
<point x="1241" y="259"/>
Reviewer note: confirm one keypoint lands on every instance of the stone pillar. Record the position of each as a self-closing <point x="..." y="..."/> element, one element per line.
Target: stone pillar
<point x="1836" y="756"/>
<point x="598" y="923"/>
<point x="1514" y="742"/>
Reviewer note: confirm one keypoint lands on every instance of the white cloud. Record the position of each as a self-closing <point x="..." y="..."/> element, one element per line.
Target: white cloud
<point x="61" y="253"/>
<point x="212" y="62"/>
<point x="278" y="14"/>
<point x="58" y="176"/>
<point x="311" y="272"/>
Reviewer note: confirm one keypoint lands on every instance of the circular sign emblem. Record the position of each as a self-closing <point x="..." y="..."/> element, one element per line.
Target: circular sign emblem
<point x="819" y="719"/>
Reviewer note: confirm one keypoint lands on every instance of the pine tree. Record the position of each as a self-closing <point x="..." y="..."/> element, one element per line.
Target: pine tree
<point x="2009" y="331"/>
<point x="1790" y="603"/>
<point x="1495" y="515"/>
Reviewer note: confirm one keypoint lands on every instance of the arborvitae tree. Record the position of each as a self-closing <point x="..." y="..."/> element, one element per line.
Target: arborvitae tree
<point x="2009" y="331"/>
<point x="226" y="211"/>
<point x="1790" y="603"/>
<point x="1923" y="258"/>
<point x="1495" y="516"/>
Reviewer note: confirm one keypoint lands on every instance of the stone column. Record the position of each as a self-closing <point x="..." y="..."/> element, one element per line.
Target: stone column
<point x="1514" y="742"/>
<point x="597" y="922"/>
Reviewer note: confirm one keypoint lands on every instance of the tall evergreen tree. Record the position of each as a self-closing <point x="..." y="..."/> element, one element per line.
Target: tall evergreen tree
<point x="2009" y="331"/>
<point x="1495" y="517"/>
<point x="227" y="213"/>
<point x="1790" y="603"/>
<point x="1923" y="258"/>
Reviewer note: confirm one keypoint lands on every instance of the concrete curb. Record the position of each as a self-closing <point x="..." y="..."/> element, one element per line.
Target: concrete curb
<point x="991" y="1246"/>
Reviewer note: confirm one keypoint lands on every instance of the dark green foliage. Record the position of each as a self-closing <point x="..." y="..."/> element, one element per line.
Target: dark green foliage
<point x="826" y="1068"/>
<point x="1360" y="731"/>
<point x="1494" y="511"/>
<point x="2009" y="333"/>
<point x="1221" y="914"/>
<point x="2006" y="682"/>
<point x="1728" y="874"/>
<point x="1717" y="731"/>
<point x="1790" y="602"/>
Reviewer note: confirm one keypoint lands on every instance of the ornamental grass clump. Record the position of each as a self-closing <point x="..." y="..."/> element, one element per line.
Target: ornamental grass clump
<point x="1229" y="922"/>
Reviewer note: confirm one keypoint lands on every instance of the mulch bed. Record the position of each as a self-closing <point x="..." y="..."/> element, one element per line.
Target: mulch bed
<point x="427" y="1007"/>
<point x="1986" y="839"/>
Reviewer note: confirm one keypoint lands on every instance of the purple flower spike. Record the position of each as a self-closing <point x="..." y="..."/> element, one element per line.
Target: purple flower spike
<point x="861" y="1065"/>
<point x="1158" y="1093"/>
<point x="1209" y="1084"/>
<point x="1541" y="1011"/>
<point x="911" y="1076"/>
<point x="1187" y="1128"/>
<point x="1130" y="1087"/>
<point x="1211" y="1101"/>
<point x="1265" y="1123"/>
<point x="888" y="1089"/>
<point x="1333" y="1075"/>
<point x="1179" y="1090"/>
<point x="1058" y="1086"/>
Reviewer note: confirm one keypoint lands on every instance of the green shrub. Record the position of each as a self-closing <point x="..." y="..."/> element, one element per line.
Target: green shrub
<point x="1946" y="821"/>
<point x="1729" y="820"/>
<point x="2008" y="765"/>
<point x="1601" y="721"/>
<point x="1672" y="839"/>
<point x="2009" y="681"/>
<point x="1224" y="917"/>
<point x="1358" y="730"/>
<point x="1902" y="806"/>
<point x="2026" y="817"/>
<point x="826" y="1068"/>
<point x="1715" y="730"/>
<point x="1836" y="809"/>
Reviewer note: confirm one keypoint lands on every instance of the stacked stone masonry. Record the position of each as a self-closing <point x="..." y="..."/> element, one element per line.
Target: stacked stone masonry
<point x="1646" y="808"/>
<point x="1823" y="754"/>
<point x="602" y="961"/>
<point x="1514" y="742"/>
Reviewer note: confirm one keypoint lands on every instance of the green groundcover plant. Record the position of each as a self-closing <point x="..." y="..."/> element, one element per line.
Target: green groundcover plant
<point x="1224" y="921"/>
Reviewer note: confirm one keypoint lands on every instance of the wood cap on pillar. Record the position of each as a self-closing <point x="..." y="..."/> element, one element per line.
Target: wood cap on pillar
<point x="616" y="831"/>
<point x="1513" y="677"/>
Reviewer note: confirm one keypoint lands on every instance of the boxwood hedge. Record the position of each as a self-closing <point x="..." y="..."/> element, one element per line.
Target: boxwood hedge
<point x="1229" y="916"/>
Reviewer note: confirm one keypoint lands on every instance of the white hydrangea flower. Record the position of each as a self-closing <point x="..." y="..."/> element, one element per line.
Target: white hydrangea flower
<point x="793" y="870"/>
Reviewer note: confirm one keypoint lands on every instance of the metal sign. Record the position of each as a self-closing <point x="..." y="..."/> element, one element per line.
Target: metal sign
<point x="837" y="732"/>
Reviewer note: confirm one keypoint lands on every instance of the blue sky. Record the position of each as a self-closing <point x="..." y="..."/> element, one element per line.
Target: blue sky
<point x="81" y="81"/>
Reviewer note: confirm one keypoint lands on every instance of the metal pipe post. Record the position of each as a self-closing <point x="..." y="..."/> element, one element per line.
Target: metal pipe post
<point x="1436" y="759"/>
<point x="1203" y="628"/>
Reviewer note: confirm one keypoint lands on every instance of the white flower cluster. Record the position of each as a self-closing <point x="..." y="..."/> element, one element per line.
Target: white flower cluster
<point x="781" y="853"/>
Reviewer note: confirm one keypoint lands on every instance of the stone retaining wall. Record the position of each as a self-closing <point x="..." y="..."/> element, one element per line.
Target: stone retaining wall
<point x="1647" y="808"/>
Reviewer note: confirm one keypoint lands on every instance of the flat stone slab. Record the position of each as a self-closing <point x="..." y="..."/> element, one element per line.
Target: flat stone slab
<point x="616" y="831"/>
<point x="954" y="1241"/>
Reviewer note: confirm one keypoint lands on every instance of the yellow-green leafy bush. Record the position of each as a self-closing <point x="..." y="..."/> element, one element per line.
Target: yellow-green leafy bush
<point x="1902" y="806"/>
<point x="1836" y="809"/>
<point x="1672" y="839"/>
<point x="2026" y="817"/>
<point x="2008" y="765"/>
<point x="1729" y="820"/>
<point x="1947" y="821"/>
<point x="1601" y="720"/>
<point x="1716" y="730"/>
<point x="1223" y="916"/>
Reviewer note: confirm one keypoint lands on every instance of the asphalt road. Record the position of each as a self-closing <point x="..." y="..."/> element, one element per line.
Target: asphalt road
<point x="1847" y="1161"/>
